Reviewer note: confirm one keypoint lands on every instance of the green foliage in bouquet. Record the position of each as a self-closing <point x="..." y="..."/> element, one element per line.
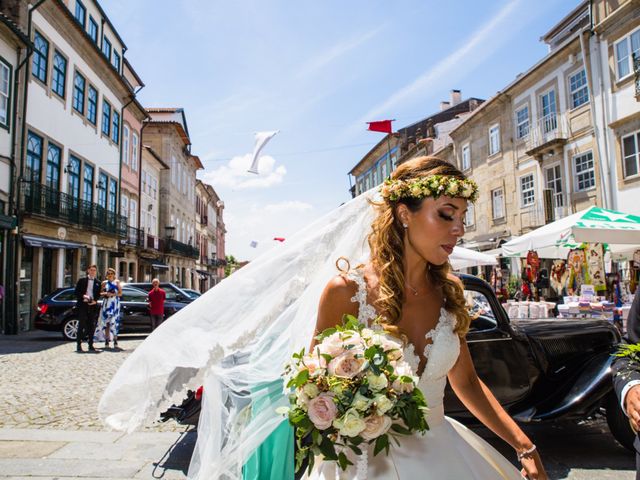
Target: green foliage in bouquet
<point x="354" y="388"/>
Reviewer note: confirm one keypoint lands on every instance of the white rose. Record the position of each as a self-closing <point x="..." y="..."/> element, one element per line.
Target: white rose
<point x="350" y="424"/>
<point x="376" y="425"/>
<point x="311" y="390"/>
<point x="348" y="364"/>
<point x="331" y="345"/>
<point x="302" y="400"/>
<point x="468" y="190"/>
<point x="360" y="402"/>
<point x="402" y="387"/>
<point x="367" y="333"/>
<point x="377" y="382"/>
<point x="383" y="404"/>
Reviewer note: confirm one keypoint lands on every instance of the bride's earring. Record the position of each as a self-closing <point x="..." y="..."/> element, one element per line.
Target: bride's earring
<point x="405" y="226"/>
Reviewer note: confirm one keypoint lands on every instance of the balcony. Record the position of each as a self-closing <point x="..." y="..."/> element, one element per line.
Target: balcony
<point x="533" y="217"/>
<point x="38" y="199"/>
<point x="548" y="132"/>
<point x="179" y="248"/>
<point x="135" y="237"/>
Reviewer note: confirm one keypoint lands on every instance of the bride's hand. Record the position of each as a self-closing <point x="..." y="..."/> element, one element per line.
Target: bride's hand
<point x="532" y="467"/>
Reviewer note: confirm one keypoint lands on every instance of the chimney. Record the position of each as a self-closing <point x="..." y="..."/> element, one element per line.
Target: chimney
<point x="444" y="106"/>
<point x="456" y="97"/>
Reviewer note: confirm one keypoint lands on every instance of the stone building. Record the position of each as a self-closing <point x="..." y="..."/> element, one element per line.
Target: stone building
<point x="167" y="134"/>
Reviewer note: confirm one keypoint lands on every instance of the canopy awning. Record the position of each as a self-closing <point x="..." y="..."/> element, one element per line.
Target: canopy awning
<point x="204" y="272"/>
<point x="44" y="242"/>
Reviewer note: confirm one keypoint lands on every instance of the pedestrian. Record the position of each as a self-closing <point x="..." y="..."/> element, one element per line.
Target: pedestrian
<point x="157" y="296"/>
<point x="87" y="293"/>
<point x="110" y="312"/>
<point x="626" y="378"/>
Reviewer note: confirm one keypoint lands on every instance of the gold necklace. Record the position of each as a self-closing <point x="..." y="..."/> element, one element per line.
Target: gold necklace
<point x="415" y="292"/>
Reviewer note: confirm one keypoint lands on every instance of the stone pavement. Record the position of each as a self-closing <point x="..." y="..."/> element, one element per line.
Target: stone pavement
<point x="49" y="427"/>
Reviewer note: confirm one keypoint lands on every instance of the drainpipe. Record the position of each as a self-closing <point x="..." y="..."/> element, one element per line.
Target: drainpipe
<point x="604" y="170"/>
<point x="11" y="308"/>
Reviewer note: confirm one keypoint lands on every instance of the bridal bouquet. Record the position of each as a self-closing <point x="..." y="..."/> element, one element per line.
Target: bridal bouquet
<point x="354" y="387"/>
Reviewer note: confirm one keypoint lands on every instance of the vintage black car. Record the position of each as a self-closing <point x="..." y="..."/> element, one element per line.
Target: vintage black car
<point x="57" y="312"/>
<point x="539" y="370"/>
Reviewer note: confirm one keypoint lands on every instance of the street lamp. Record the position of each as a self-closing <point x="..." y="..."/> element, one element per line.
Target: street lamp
<point x="169" y="231"/>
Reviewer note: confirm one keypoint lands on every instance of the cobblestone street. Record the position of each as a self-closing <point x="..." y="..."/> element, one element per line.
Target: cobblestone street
<point x="46" y="384"/>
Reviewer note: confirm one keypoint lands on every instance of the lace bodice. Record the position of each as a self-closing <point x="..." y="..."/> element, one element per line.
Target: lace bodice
<point x="441" y="353"/>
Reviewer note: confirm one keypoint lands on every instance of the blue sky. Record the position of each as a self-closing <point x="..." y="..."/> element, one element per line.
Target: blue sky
<point x="316" y="71"/>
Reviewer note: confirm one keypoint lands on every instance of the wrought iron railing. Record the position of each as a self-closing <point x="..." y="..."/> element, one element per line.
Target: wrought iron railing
<point x="546" y="129"/>
<point x="135" y="237"/>
<point x="173" y="246"/>
<point x="636" y="71"/>
<point x="42" y="200"/>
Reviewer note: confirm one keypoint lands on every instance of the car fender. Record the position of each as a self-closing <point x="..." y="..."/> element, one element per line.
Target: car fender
<point x="589" y="387"/>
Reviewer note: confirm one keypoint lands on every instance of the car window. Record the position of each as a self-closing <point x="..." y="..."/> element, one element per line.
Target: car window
<point x="65" y="296"/>
<point x="480" y="311"/>
<point x="171" y="292"/>
<point x="131" y="295"/>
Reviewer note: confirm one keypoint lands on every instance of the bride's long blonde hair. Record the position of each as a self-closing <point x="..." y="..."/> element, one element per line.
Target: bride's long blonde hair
<point x="386" y="242"/>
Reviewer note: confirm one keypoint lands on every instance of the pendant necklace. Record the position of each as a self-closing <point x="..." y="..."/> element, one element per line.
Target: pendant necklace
<point x="415" y="292"/>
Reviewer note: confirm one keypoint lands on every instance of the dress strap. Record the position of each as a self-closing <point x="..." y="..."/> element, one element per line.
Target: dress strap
<point x="366" y="312"/>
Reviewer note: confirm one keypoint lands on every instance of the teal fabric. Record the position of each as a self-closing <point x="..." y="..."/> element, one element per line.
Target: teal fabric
<point x="274" y="458"/>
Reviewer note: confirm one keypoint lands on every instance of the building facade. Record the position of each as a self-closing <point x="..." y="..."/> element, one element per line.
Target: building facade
<point x="13" y="56"/>
<point x="70" y="171"/>
<point x="166" y="132"/>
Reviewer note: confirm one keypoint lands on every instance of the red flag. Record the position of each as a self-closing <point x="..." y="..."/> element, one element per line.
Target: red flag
<point x="383" y="126"/>
<point x="279" y="239"/>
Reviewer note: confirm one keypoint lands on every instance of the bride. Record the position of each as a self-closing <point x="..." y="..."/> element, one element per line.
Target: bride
<point x="236" y="338"/>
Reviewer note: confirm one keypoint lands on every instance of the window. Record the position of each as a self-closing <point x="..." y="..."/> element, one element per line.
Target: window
<point x="131" y="295"/>
<point x="494" y="140"/>
<point x="548" y="111"/>
<point x="87" y="183"/>
<point x="73" y="177"/>
<point x="116" y="61"/>
<point x="624" y="50"/>
<point x="470" y="215"/>
<point x="106" y="118"/>
<point x="115" y="131"/>
<point x="154" y="188"/>
<point x="78" y="93"/>
<point x="631" y="154"/>
<point x="40" y="57"/>
<point x="53" y="166"/>
<point x="106" y="48"/>
<point x="497" y="204"/>
<point x="5" y="90"/>
<point x="113" y="194"/>
<point x="133" y="213"/>
<point x="522" y="122"/>
<point x="527" y="190"/>
<point x="466" y="157"/>
<point x="102" y="190"/>
<point x="92" y="105"/>
<point x="81" y="14"/>
<point x="59" y="74"/>
<point x="554" y="182"/>
<point x="578" y="88"/>
<point x="143" y="180"/>
<point x="93" y="29"/>
<point x="124" y="206"/>
<point x="125" y="144"/>
<point x="34" y="157"/>
<point x="134" y="152"/>
<point x="585" y="177"/>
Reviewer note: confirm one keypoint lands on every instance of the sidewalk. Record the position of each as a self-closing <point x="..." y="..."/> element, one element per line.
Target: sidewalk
<point x="64" y="454"/>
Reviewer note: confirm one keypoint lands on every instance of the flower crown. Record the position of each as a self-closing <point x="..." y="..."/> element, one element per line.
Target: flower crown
<point x="429" y="186"/>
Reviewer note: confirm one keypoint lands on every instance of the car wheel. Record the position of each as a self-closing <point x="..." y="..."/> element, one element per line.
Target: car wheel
<point x="619" y="423"/>
<point x="70" y="329"/>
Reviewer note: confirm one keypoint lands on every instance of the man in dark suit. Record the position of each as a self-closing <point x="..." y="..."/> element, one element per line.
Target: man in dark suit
<point x="87" y="294"/>
<point x="626" y="377"/>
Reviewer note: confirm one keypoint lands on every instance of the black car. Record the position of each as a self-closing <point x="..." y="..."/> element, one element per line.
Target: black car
<point x="57" y="311"/>
<point x="539" y="370"/>
<point x="173" y="292"/>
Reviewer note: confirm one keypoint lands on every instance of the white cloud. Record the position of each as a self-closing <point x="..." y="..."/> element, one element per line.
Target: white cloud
<point x="291" y="206"/>
<point x="478" y="46"/>
<point x="334" y="52"/>
<point x="235" y="174"/>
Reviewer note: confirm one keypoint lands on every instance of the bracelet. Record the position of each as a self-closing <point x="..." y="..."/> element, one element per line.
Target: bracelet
<point x="526" y="453"/>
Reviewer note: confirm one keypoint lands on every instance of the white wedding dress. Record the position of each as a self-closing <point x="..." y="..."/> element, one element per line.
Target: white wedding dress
<point x="448" y="450"/>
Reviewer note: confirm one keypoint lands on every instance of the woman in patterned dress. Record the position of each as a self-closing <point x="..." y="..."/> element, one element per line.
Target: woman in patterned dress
<point x="109" y="324"/>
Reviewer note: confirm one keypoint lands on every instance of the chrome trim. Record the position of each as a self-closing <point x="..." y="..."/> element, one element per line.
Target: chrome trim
<point x="490" y="340"/>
